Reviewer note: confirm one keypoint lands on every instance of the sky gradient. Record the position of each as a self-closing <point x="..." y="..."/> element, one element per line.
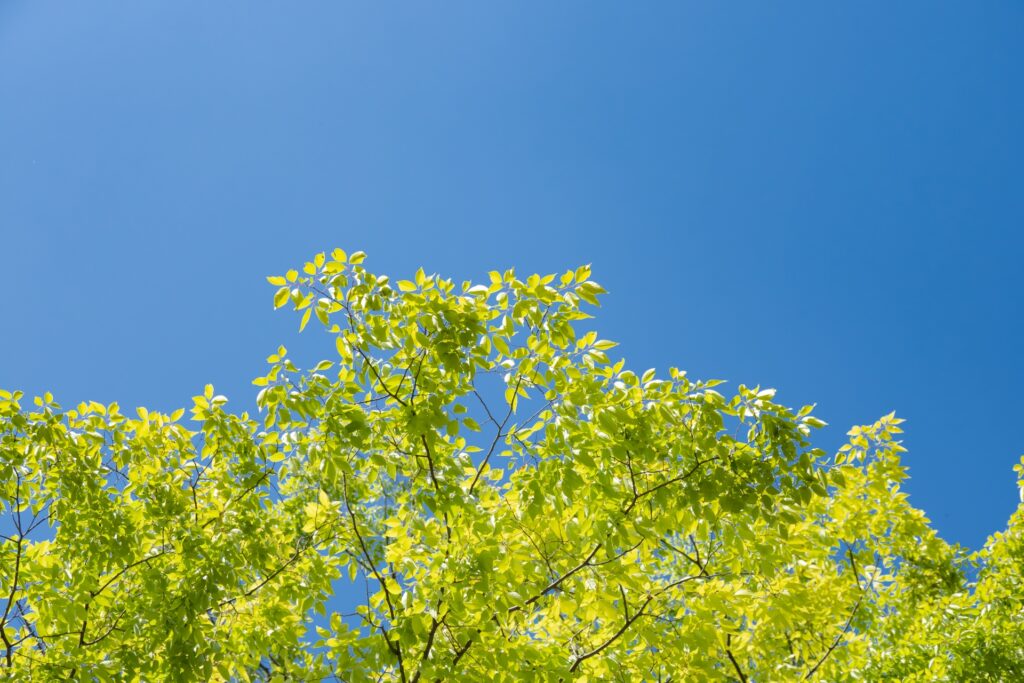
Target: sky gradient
<point x="824" y="199"/>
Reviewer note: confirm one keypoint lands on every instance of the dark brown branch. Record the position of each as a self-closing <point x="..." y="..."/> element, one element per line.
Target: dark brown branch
<point x="517" y="608"/>
<point x="839" y="637"/>
<point x="110" y="630"/>
<point x="695" y="560"/>
<point x="486" y="409"/>
<point x="85" y="624"/>
<point x="396" y="648"/>
<point x="380" y="380"/>
<point x="434" y="623"/>
<point x="735" y="664"/>
<point x="415" y="378"/>
<point x="126" y="569"/>
<point x="619" y="556"/>
<point x="853" y="566"/>
<point x="430" y="462"/>
<point x="497" y="437"/>
<point x="272" y="575"/>
<point x="434" y="620"/>
<point x="615" y="636"/>
<point x="17" y="570"/>
<point x="637" y="497"/>
<point x="557" y="582"/>
<point x="240" y="496"/>
<point x="462" y="650"/>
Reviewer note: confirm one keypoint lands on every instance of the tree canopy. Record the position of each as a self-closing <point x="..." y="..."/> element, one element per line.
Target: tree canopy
<point x="470" y="487"/>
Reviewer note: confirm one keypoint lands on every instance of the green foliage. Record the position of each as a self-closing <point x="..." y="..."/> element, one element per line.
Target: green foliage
<point x="513" y="504"/>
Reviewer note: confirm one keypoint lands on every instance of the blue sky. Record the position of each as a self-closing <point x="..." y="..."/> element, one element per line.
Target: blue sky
<point x="818" y="197"/>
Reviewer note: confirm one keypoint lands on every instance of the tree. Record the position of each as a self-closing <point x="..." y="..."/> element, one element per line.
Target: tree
<point x="512" y="503"/>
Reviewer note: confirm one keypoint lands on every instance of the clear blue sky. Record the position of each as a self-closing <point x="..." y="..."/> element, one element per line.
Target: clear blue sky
<point x="821" y="197"/>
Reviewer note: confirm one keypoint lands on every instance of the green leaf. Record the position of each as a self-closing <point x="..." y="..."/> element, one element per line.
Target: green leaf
<point x="281" y="297"/>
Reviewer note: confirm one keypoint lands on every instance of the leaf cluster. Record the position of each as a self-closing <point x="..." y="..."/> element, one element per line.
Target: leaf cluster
<point x="511" y="501"/>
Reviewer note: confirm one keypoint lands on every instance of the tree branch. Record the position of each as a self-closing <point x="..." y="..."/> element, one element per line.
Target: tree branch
<point x="497" y="437"/>
<point x="557" y="582"/>
<point x="735" y="664"/>
<point x="615" y="636"/>
<point x="838" y="638"/>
